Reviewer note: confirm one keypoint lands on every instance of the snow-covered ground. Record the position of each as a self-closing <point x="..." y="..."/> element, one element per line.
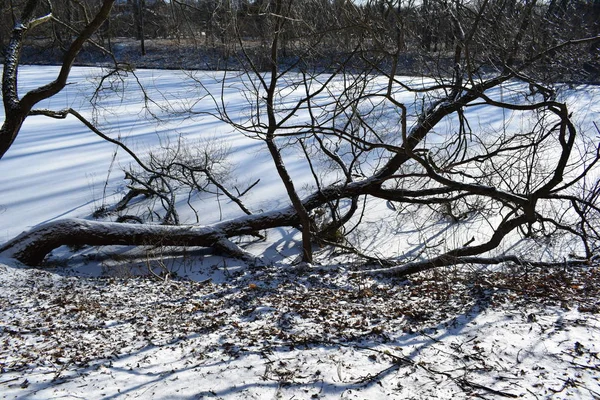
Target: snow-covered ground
<point x="90" y="327"/>
<point x="273" y="333"/>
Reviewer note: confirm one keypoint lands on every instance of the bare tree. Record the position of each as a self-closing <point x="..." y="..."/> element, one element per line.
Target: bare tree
<point x="493" y="183"/>
<point x="17" y="108"/>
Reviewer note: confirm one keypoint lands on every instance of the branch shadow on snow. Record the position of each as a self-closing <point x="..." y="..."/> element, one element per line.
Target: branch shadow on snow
<point x="255" y="331"/>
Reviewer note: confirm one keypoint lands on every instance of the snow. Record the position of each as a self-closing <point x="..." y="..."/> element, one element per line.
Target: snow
<point x="270" y="333"/>
<point x="91" y="326"/>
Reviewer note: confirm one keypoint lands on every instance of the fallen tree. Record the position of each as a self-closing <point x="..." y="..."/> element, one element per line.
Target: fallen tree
<point x="32" y="247"/>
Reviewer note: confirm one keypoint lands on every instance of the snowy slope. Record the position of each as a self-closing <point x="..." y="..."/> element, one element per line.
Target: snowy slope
<point x="273" y="333"/>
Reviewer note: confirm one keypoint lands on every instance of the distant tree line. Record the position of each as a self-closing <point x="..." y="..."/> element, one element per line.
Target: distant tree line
<point x="323" y="32"/>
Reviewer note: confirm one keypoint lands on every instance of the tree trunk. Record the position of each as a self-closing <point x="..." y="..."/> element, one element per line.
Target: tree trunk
<point x="16" y="109"/>
<point x="32" y="247"/>
<point x="9" y="131"/>
<point x="286" y="179"/>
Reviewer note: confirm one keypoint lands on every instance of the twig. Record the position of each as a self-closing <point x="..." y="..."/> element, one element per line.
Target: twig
<point x="487" y="389"/>
<point x="399" y="360"/>
<point x="583" y="366"/>
<point x="371" y="378"/>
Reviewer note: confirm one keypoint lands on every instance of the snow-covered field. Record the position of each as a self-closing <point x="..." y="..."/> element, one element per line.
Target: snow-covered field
<point x="89" y="327"/>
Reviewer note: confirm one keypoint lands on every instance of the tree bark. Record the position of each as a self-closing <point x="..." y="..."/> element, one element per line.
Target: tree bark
<point x="33" y="246"/>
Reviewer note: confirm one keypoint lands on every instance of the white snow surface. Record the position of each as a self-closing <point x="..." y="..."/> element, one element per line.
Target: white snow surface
<point x="98" y="327"/>
<point x="276" y="333"/>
